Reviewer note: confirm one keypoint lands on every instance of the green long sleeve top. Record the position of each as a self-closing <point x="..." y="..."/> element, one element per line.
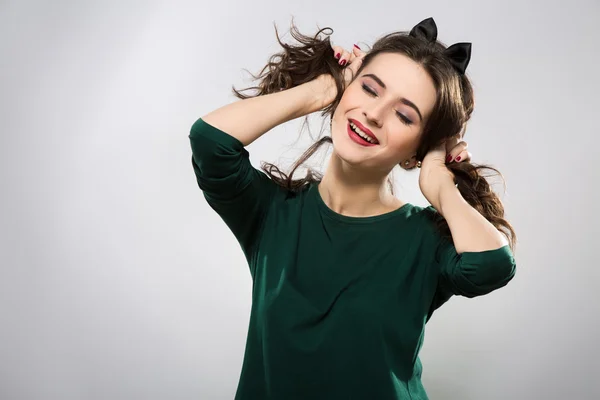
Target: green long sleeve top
<point x="339" y="303"/>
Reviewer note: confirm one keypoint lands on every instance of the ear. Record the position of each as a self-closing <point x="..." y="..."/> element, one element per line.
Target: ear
<point x="409" y="164"/>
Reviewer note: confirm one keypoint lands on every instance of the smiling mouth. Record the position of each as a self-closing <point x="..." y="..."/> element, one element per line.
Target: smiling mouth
<point x="358" y="137"/>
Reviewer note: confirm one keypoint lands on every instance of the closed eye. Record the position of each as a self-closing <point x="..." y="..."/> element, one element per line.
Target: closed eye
<point x="405" y="120"/>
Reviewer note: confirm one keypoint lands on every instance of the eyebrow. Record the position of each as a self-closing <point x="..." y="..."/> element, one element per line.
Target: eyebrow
<point x="402" y="99"/>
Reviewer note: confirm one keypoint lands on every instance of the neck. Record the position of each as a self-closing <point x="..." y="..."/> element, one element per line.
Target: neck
<point x="355" y="193"/>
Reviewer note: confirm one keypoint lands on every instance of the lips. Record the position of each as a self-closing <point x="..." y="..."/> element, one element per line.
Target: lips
<point x="365" y="130"/>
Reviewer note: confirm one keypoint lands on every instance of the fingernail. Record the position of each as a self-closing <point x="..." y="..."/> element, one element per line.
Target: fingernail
<point x="338" y="55"/>
<point x="449" y="158"/>
<point x="458" y="158"/>
<point x="357" y="46"/>
<point x="342" y="62"/>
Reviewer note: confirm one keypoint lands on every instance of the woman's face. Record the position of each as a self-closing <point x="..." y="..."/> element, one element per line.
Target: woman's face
<point x="392" y="98"/>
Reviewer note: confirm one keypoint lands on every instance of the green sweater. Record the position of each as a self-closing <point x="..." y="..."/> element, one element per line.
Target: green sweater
<point x="339" y="303"/>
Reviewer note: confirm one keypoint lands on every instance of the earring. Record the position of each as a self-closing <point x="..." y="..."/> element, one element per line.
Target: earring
<point x="406" y="163"/>
<point x="418" y="164"/>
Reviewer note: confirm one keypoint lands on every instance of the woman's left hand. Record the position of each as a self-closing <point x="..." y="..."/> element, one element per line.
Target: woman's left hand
<point x="434" y="174"/>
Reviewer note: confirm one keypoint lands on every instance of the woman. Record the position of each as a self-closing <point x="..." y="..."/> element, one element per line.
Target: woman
<point x="345" y="274"/>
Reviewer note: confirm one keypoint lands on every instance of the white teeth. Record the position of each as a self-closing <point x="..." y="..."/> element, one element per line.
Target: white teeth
<point x="362" y="134"/>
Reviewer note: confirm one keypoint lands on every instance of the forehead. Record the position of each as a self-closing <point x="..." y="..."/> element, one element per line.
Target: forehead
<point x="404" y="78"/>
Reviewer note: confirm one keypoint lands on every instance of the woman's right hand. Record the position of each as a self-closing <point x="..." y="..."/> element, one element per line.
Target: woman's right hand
<point x="350" y="61"/>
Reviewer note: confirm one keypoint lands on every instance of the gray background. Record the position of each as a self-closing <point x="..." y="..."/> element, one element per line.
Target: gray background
<point x="117" y="281"/>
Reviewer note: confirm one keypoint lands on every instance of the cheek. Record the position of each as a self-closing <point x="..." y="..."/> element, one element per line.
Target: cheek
<point x="403" y="142"/>
<point x="350" y="99"/>
<point x="340" y="116"/>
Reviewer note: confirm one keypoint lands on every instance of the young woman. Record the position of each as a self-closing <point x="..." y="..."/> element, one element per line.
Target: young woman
<point x="345" y="274"/>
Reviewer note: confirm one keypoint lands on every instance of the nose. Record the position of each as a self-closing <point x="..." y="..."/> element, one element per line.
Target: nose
<point x="374" y="114"/>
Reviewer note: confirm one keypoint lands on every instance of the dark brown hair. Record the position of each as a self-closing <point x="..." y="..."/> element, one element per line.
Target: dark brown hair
<point x="302" y="63"/>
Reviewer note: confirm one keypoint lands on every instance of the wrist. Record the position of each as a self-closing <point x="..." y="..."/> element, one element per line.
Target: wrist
<point x="448" y="197"/>
<point x="323" y="91"/>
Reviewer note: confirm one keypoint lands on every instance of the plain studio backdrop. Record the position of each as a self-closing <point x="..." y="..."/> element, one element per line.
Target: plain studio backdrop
<point x="117" y="281"/>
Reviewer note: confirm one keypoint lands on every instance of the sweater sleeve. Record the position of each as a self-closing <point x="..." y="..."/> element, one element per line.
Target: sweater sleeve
<point x="469" y="274"/>
<point x="238" y="192"/>
<point x="472" y="274"/>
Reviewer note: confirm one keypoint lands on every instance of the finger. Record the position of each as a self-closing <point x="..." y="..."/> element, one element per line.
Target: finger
<point x="456" y="150"/>
<point x="464" y="156"/>
<point x="356" y="57"/>
<point x="351" y="57"/>
<point x="337" y="51"/>
<point x="354" y="64"/>
<point x="345" y="57"/>
<point x="450" y="144"/>
<point x="358" y="52"/>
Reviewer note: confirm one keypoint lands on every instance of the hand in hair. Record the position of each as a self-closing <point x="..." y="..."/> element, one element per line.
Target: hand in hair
<point x="350" y="61"/>
<point x="457" y="150"/>
<point x="434" y="175"/>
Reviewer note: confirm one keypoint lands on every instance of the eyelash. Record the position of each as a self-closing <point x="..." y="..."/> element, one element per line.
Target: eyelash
<point x="405" y="120"/>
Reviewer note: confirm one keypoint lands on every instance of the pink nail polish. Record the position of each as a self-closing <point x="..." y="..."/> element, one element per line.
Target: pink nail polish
<point x="338" y="55"/>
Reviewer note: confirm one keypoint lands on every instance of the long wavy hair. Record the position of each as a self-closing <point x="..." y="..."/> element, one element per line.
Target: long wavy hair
<point x="312" y="57"/>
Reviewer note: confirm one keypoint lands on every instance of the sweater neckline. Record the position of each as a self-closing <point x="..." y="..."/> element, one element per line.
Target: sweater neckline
<point x="324" y="208"/>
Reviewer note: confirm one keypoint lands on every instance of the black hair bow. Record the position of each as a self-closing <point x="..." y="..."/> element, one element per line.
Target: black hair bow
<point x="459" y="54"/>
